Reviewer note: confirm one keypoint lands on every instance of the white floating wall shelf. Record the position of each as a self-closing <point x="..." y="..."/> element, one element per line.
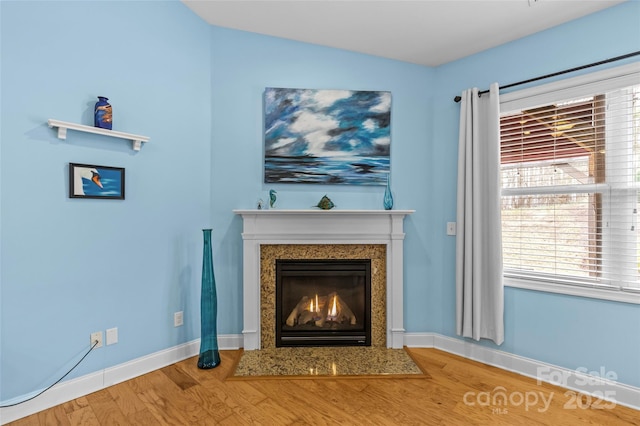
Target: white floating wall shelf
<point x="62" y="126"/>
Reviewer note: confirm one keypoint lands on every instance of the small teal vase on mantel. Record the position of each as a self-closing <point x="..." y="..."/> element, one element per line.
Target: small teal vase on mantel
<point x="209" y="355"/>
<point x="388" y="198"/>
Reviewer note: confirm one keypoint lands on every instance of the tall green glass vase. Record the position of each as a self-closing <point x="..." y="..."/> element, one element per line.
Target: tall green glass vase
<point x="209" y="355"/>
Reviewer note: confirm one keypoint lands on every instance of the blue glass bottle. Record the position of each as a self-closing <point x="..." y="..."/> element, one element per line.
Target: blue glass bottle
<point x="209" y="355"/>
<point x="103" y="114"/>
<point x="388" y="198"/>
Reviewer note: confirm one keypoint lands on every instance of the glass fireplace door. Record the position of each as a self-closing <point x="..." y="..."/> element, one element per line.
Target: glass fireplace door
<point x="323" y="302"/>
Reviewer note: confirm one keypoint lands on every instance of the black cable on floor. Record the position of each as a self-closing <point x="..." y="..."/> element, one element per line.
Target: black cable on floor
<point x="57" y="381"/>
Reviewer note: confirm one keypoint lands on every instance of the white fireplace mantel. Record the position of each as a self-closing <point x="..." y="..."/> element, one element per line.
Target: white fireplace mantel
<point x="322" y="227"/>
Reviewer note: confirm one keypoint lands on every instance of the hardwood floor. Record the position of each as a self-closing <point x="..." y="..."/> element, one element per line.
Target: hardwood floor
<point x="458" y="392"/>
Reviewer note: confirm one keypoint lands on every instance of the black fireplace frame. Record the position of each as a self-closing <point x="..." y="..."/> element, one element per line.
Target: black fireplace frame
<point x="297" y="267"/>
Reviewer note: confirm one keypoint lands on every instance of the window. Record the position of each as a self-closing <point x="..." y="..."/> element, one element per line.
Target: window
<point x="570" y="175"/>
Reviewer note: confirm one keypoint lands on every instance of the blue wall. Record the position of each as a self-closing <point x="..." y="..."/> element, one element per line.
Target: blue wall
<point x="71" y="267"/>
<point x="243" y="65"/>
<point x="568" y="331"/>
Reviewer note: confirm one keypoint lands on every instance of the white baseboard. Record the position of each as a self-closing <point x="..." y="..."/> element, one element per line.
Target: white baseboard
<point x="601" y="387"/>
<point x="621" y="393"/>
<point x="419" y="340"/>
<point x="84" y="385"/>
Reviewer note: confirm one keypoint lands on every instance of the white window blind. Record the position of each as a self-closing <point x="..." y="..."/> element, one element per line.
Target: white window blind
<point x="570" y="179"/>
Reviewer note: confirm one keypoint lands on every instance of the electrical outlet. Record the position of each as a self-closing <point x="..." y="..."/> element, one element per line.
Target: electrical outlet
<point x="112" y="336"/>
<point x="178" y="319"/>
<point x="96" y="336"/>
<point x="451" y="228"/>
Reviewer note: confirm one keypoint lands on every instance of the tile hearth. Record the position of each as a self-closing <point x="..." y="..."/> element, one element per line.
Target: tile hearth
<point x="326" y="361"/>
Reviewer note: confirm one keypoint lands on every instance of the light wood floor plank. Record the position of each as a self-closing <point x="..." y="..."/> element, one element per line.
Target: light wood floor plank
<point x="84" y="417"/>
<point x="457" y="391"/>
<point x="143" y="417"/>
<point x="106" y="409"/>
<point x="54" y="416"/>
<point x="75" y="404"/>
<point x="31" y="420"/>
<point x="165" y="413"/>
<point x="216" y="408"/>
<point x="126" y="399"/>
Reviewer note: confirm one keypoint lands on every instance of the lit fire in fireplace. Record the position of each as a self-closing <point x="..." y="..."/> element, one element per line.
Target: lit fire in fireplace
<point x="322" y="302"/>
<point x="318" y="310"/>
<point x="333" y="311"/>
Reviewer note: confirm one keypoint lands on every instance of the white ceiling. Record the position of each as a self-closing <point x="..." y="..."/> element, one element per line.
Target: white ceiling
<point x="425" y="32"/>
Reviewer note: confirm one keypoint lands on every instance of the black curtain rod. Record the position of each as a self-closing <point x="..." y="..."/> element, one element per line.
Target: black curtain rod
<point x="606" y="61"/>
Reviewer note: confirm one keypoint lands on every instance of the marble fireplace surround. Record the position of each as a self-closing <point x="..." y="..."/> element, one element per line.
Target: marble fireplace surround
<point x="271" y="234"/>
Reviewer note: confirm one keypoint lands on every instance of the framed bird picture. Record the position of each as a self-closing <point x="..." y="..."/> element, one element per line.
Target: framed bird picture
<point x="91" y="181"/>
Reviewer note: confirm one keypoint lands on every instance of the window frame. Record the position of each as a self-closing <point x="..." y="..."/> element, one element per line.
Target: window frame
<point x="575" y="87"/>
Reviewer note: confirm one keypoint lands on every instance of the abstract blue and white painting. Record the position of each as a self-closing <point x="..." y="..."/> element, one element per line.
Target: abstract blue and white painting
<point x="327" y="136"/>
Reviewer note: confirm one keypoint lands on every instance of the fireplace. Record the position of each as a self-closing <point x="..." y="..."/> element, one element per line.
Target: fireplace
<point x="274" y="234"/>
<point x="323" y="302"/>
